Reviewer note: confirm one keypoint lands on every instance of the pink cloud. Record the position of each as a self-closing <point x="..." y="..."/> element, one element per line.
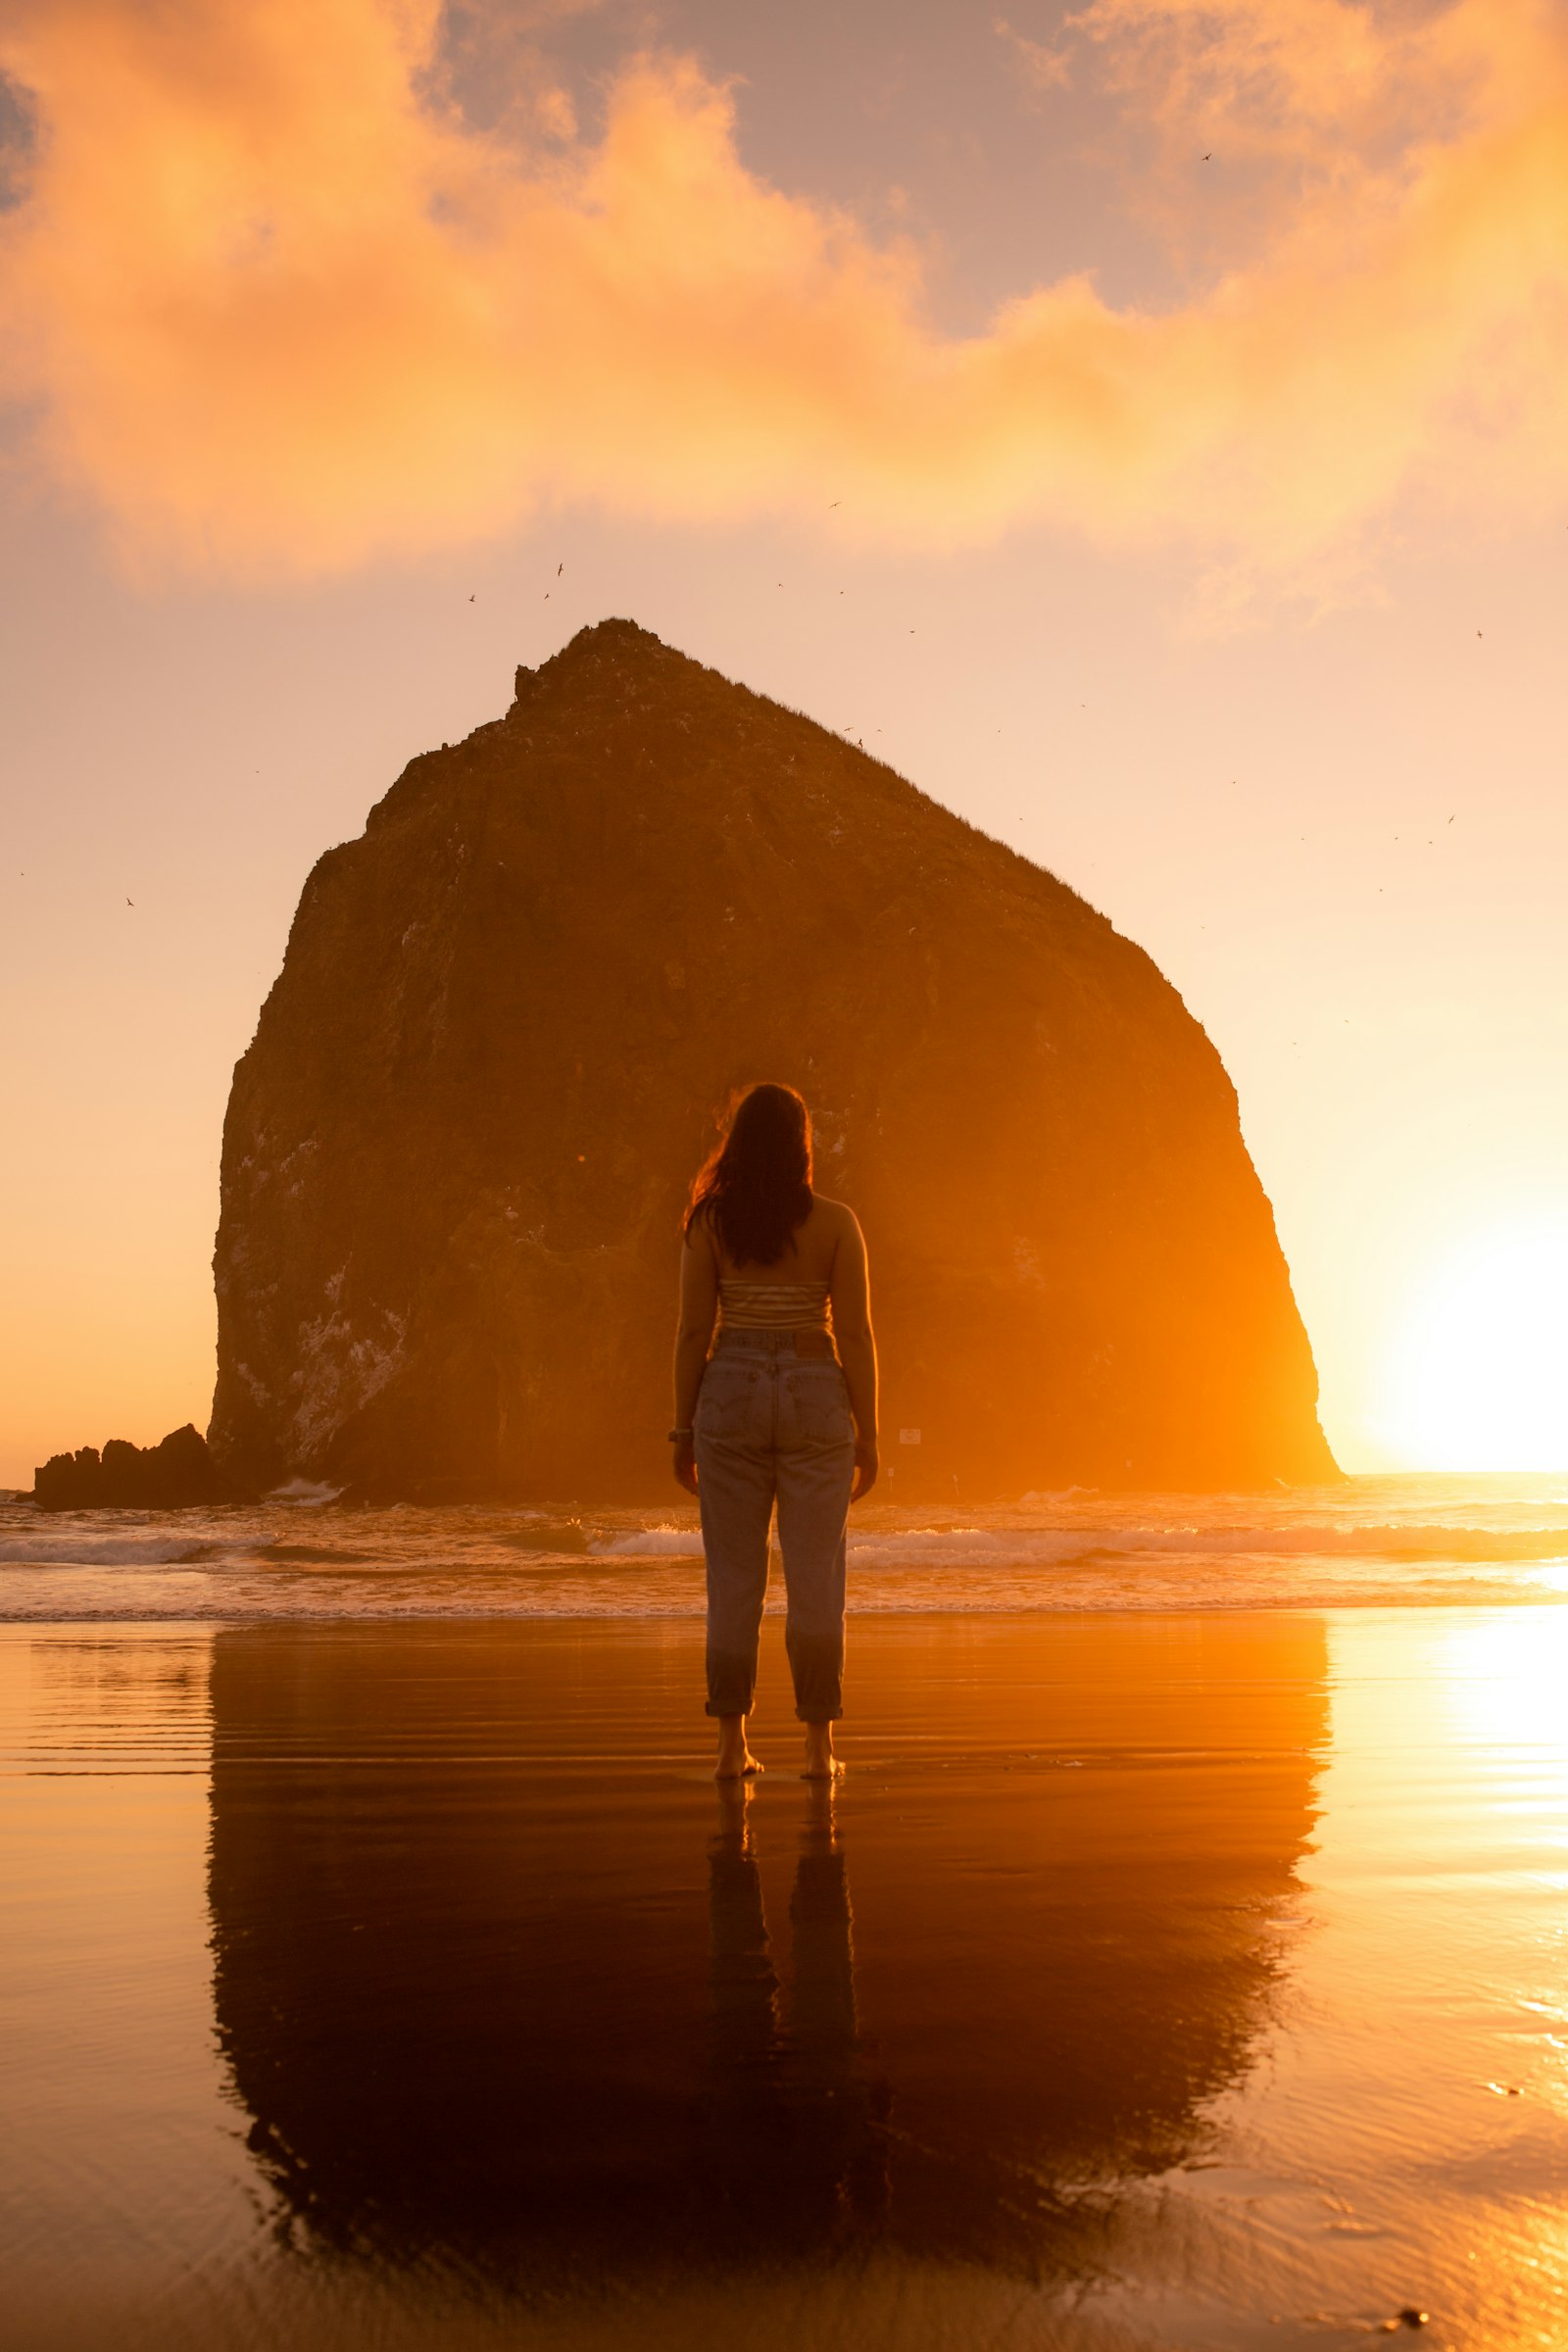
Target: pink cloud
<point x="277" y="310"/>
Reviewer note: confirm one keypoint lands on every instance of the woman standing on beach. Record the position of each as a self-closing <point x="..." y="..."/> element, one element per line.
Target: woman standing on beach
<point x="773" y="1412"/>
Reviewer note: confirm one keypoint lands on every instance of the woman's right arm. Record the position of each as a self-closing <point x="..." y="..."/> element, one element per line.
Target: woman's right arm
<point x="699" y="1306"/>
<point x="850" y="1293"/>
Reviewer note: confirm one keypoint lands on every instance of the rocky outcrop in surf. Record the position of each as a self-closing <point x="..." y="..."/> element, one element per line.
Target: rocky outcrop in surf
<point x="457" y="1150"/>
<point x="167" y="1476"/>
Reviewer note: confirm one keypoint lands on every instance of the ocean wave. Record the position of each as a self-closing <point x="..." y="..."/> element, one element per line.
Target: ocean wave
<point x="1099" y="1546"/>
<point x="177" y="1595"/>
<point x="931" y="1547"/>
<point x="310" y="1492"/>
<point x="1381" y="1539"/>
<point x="567" y="1539"/>
<point x="957" y="1547"/>
<point x="70" y="1550"/>
<point x="1049" y="1546"/>
<point x="314" y="1556"/>
<point x="1410" y="1543"/>
<point x="650" y="1544"/>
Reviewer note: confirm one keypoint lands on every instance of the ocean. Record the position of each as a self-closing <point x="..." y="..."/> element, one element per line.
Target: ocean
<point x="1387" y="1541"/>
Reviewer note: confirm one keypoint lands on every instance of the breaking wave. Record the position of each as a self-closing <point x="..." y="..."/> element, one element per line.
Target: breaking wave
<point x="1388" y="1542"/>
<point x="82" y="1551"/>
<point x="651" y="1543"/>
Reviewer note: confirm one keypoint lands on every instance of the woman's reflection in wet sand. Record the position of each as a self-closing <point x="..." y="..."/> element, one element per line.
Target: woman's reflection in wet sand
<point x="495" y="2001"/>
<point x="791" y="2148"/>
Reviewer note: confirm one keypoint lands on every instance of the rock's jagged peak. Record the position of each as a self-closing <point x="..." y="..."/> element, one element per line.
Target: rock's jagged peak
<point x="625" y="642"/>
<point x="617" y="651"/>
<point x="613" y="670"/>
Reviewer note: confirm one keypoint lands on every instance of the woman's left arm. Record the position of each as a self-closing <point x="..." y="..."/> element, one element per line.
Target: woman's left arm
<point x="699" y="1306"/>
<point x="850" y="1293"/>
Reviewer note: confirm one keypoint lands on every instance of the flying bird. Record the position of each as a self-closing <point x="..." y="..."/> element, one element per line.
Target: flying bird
<point x="560" y="568"/>
<point x="131" y="902"/>
<point x="834" y="502"/>
<point x="471" y="600"/>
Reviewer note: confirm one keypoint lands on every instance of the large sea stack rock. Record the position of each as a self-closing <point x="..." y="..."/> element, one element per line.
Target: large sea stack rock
<point x="457" y="1151"/>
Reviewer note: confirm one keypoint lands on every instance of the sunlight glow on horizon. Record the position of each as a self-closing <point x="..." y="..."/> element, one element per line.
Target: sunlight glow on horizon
<point x="1477" y="1379"/>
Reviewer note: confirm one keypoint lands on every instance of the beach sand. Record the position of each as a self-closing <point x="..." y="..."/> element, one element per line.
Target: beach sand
<point x="1178" y="1981"/>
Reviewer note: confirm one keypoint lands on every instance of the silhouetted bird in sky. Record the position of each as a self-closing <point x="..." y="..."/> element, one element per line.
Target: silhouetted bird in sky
<point x="471" y="600"/>
<point x="131" y="902"/>
<point x="560" y="568"/>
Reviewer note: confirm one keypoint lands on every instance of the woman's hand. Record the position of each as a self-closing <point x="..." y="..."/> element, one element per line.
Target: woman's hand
<point x="685" y="1453"/>
<point x="865" y="1468"/>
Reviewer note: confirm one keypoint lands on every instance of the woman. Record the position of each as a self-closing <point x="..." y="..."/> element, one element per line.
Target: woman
<point x="773" y="1412"/>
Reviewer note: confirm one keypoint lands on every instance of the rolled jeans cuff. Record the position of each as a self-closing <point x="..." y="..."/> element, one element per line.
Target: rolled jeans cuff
<point x="816" y="1663"/>
<point x="731" y="1683"/>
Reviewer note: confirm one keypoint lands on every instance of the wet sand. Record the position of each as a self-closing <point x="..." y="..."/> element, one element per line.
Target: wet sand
<point x="1150" y="1981"/>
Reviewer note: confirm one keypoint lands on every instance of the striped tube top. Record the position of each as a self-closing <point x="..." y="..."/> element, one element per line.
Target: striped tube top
<point x="771" y="1305"/>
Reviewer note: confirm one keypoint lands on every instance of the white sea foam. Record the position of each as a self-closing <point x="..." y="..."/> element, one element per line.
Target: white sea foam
<point x="312" y="1491"/>
<point x="1388" y="1542"/>
<point x="650" y="1544"/>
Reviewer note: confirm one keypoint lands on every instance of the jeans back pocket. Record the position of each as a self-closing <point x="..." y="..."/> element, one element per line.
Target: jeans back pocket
<point x="822" y="1408"/>
<point x="725" y="1399"/>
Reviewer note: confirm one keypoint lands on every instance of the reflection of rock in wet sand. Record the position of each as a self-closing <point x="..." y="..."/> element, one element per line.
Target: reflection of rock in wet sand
<point x="577" y="2020"/>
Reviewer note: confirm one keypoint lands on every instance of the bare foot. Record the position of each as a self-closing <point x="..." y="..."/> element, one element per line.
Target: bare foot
<point x="736" y="1761"/>
<point x="821" y="1764"/>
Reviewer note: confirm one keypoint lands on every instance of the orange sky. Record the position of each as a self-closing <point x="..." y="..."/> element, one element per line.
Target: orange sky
<point x="1185" y="380"/>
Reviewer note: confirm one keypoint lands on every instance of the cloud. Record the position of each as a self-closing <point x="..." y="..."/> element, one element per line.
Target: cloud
<point x="1039" y="66"/>
<point x="276" y="307"/>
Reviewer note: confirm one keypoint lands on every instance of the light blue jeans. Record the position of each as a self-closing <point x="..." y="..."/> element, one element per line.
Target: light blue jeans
<point x="774" y="1426"/>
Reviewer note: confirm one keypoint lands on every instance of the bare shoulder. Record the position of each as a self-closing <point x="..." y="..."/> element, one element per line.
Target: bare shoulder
<point x="836" y="1220"/>
<point x="699" y="1235"/>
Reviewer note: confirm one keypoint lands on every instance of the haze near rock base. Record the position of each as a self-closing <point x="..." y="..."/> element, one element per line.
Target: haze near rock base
<point x="457" y="1151"/>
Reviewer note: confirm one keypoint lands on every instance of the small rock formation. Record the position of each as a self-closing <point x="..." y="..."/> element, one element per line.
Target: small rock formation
<point x="458" y="1148"/>
<point x="133" y="1478"/>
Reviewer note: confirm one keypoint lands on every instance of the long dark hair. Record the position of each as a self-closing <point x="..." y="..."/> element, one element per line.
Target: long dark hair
<point x="754" y="1187"/>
